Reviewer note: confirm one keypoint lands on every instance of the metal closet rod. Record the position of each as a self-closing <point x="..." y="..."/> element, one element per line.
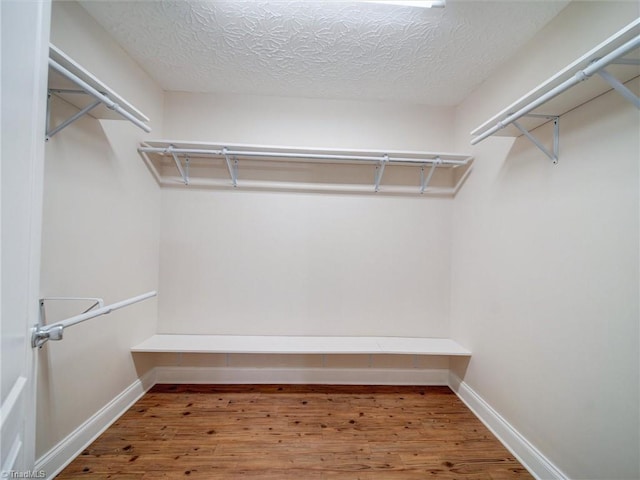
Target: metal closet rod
<point x="302" y="155"/>
<point x="42" y="333"/>
<point x="97" y="95"/>
<point x="580" y="76"/>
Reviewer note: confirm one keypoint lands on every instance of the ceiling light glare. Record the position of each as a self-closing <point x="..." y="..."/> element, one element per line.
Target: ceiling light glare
<point x="412" y="3"/>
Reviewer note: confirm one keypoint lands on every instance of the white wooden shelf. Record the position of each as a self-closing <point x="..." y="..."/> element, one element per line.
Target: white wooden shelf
<point x="300" y="345"/>
<point x="574" y="85"/>
<point x="79" y="87"/>
<point x="223" y="165"/>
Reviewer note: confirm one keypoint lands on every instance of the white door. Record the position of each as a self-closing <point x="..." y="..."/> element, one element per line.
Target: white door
<point x="25" y="40"/>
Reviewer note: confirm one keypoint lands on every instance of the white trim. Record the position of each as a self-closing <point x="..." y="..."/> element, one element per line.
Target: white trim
<point x="528" y="455"/>
<point x="335" y="376"/>
<point x="10" y="462"/>
<point x="10" y="402"/>
<point x="73" y="444"/>
<point x="12" y="421"/>
<point x="25" y="24"/>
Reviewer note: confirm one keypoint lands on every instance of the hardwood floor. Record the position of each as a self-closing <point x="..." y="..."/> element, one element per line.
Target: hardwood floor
<point x="296" y="432"/>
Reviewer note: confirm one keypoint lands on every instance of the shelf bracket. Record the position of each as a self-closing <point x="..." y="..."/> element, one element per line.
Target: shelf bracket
<point x="51" y="132"/>
<point x="183" y="174"/>
<point x="626" y="61"/>
<point x="424" y="182"/>
<point x="91" y="90"/>
<point x="47" y="125"/>
<point x="619" y="86"/>
<point x="553" y="155"/>
<point x="380" y="171"/>
<point x="41" y="334"/>
<point x="232" y="166"/>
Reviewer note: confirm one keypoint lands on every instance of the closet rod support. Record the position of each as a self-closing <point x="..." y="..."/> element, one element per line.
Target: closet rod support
<point x="424" y="182"/>
<point x="232" y="166"/>
<point x="380" y="171"/>
<point x="626" y="61"/>
<point x="185" y="178"/>
<point x="553" y="155"/>
<point x="47" y="125"/>
<point x="97" y="95"/>
<point x="41" y="333"/>
<point x="99" y="302"/>
<point x="619" y="87"/>
<point x="71" y="119"/>
<point x="56" y="333"/>
<point x="70" y="90"/>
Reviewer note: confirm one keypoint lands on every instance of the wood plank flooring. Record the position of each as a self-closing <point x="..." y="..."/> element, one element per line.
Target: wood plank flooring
<point x="296" y="432"/>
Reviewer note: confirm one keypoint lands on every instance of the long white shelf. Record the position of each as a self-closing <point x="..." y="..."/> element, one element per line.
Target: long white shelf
<point x="209" y="164"/>
<point x="79" y="87"/>
<point x="584" y="90"/>
<point x="300" y="345"/>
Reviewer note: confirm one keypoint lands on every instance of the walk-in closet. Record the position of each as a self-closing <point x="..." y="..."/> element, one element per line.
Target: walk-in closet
<point x="382" y="239"/>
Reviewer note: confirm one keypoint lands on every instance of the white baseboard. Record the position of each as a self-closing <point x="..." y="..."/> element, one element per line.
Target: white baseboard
<point x="532" y="459"/>
<point x="73" y="444"/>
<point x="335" y="376"/>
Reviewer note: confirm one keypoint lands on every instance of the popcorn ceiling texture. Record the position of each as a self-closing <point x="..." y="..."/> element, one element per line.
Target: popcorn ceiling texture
<point x="340" y="50"/>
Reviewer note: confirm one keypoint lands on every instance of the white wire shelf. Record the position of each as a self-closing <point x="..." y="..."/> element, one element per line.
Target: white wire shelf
<point x="79" y="87"/>
<point x="223" y="165"/>
<point x="609" y="65"/>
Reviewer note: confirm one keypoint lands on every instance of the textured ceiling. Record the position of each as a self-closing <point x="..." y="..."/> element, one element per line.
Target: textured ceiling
<point x="342" y="50"/>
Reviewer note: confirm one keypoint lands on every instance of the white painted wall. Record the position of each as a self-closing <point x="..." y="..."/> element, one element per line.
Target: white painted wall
<point x="307" y="122"/>
<point x="545" y="262"/>
<point x="100" y="235"/>
<point x="303" y="264"/>
<point x="237" y="262"/>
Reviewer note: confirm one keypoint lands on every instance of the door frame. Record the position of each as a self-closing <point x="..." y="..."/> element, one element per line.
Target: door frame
<point x="25" y="51"/>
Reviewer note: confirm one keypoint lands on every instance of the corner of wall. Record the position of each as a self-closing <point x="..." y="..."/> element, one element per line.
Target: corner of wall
<point x="530" y="457"/>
